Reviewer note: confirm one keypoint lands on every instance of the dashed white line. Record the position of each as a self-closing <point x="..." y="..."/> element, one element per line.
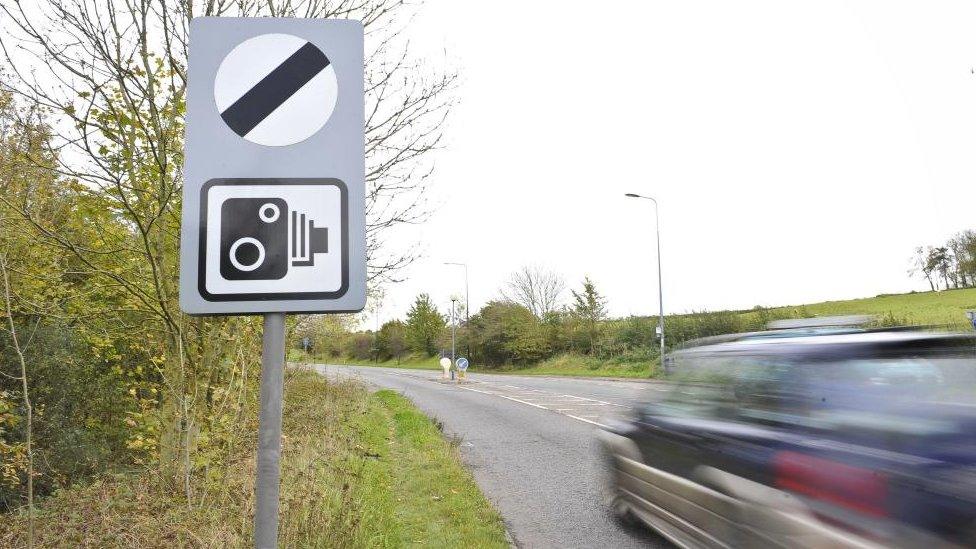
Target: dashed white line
<point x="582" y="417"/>
<point x="502" y="396"/>
<point x="587" y="421"/>
<point x="595" y="400"/>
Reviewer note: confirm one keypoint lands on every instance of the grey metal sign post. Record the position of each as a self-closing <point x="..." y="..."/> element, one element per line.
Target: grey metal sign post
<point x="274" y="191"/>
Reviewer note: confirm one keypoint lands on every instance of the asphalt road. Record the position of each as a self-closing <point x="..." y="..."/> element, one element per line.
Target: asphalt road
<point x="531" y="445"/>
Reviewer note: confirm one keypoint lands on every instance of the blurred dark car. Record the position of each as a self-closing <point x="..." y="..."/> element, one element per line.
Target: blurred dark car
<point x="806" y="438"/>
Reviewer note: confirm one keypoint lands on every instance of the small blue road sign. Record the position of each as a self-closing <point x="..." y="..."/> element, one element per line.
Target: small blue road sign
<point x="462" y="364"/>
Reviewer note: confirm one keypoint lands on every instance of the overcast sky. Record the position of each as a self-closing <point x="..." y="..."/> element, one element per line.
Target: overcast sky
<point x="799" y="150"/>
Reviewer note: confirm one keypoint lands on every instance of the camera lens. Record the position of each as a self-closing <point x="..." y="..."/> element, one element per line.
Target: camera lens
<point x="246" y="254"/>
<point x="254" y="238"/>
<point x="269" y="213"/>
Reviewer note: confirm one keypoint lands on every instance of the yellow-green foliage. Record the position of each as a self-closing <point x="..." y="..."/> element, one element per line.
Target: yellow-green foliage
<point x="358" y="470"/>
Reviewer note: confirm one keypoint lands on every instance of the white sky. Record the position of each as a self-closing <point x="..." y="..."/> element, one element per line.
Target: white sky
<point x="799" y="150"/>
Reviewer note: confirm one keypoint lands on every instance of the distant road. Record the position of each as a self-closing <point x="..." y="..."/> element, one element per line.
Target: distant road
<point x="531" y="444"/>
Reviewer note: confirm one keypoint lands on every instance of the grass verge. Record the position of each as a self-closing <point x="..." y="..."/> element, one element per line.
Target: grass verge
<point x="358" y="470"/>
<point x="585" y="366"/>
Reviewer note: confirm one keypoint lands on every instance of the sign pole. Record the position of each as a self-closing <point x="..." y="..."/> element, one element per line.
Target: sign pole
<point x="269" y="432"/>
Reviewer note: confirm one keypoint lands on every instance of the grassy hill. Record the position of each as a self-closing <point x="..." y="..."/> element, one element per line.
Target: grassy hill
<point x="945" y="308"/>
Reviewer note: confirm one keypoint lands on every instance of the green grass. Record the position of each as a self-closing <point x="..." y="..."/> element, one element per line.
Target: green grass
<point x="585" y="366"/>
<point x="409" y="362"/>
<point x="358" y="470"/>
<point x="945" y="308"/>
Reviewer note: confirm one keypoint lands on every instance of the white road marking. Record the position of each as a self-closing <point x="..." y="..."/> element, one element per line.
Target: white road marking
<point x="595" y="400"/>
<point x="561" y="411"/>
<point x="503" y="396"/>
<point x="587" y="421"/>
<point x="554" y="403"/>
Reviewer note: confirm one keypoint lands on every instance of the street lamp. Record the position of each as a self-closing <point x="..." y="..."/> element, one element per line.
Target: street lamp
<point x="467" y="303"/>
<point x="660" y="290"/>
<point x="453" y="330"/>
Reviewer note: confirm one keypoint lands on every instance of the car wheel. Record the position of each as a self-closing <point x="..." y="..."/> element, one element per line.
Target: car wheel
<point x="620" y="510"/>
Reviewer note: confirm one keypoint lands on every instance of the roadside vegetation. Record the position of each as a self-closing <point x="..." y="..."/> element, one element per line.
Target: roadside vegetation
<point x="358" y="470"/>
<point x="562" y="365"/>
<point x="951" y="265"/>
<point x="103" y="379"/>
<point x="578" y="338"/>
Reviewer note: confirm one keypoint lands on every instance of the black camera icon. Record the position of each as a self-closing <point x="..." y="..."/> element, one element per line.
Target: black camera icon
<point x="255" y="242"/>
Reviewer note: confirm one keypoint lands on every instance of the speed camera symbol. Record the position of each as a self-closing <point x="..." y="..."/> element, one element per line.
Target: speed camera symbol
<point x="255" y="241"/>
<point x="280" y="238"/>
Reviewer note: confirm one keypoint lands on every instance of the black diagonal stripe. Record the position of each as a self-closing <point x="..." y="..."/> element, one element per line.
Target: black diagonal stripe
<point x="274" y="89"/>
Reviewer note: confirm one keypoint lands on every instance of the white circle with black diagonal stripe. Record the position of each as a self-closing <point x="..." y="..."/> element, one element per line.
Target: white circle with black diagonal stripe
<point x="275" y="89"/>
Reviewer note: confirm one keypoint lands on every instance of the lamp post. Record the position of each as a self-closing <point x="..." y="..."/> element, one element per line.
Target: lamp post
<point x="376" y="336"/>
<point x="453" y="330"/>
<point x="660" y="290"/>
<point x="467" y="302"/>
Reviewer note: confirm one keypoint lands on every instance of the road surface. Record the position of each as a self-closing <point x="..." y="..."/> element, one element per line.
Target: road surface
<point x="531" y="444"/>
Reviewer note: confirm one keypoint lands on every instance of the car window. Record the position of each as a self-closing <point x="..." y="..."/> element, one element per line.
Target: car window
<point x="743" y="388"/>
<point x="700" y="387"/>
<point x="754" y="389"/>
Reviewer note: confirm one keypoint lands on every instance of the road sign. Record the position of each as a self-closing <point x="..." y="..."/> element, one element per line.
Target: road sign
<point x="275" y="89"/>
<point x="971" y="315"/>
<point x="266" y="235"/>
<point x="462" y="363"/>
<point x="274" y="191"/>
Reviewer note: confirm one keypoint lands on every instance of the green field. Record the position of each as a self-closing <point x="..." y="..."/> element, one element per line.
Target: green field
<point x="357" y="470"/>
<point x="945" y="308"/>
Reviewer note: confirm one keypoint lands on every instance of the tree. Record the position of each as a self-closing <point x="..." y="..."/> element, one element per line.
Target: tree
<point x="424" y="326"/>
<point x="25" y="394"/>
<point x="939" y="260"/>
<point x="113" y="72"/>
<point x="392" y="340"/>
<point x="75" y="329"/>
<point x="588" y="304"/>
<point x="536" y="289"/>
<point x="327" y="334"/>
<point x="963" y="249"/>
<point x="921" y="265"/>
<point x="504" y="332"/>
<point x="359" y="346"/>
<point x="589" y="308"/>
